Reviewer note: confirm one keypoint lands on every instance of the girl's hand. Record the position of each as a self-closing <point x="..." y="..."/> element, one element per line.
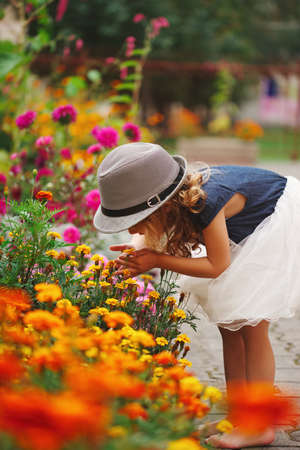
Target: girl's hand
<point x="140" y="261"/>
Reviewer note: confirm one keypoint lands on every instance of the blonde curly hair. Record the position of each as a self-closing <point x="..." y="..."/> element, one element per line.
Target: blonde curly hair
<point x="170" y="228"/>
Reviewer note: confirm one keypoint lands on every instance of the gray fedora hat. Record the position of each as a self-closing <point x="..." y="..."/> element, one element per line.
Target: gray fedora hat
<point x="135" y="180"/>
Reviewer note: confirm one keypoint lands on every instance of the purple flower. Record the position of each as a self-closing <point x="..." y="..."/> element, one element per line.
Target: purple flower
<point x="44" y="172"/>
<point x="92" y="199"/>
<point x="108" y="137"/>
<point x="25" y="120"/>
<point x="132" y="132"/>
<point x="96" y="148"/>
<point x="71" y="235"/>
<point x="2" y="178"/>
<point x="43" y="141"/>
<point x="64" y="114"/>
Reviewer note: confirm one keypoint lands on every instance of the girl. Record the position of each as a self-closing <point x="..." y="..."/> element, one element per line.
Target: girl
<point x="249" y="221"/>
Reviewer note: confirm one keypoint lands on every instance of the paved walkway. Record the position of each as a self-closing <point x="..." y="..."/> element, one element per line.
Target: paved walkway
<point x="206" y="347"/>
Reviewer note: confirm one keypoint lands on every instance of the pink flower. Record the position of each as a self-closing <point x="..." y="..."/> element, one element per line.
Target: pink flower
<point x="157" y="24"/>
<point x="61" y="9"/>
<point x="15" y="169"/>
<point x="96" y="148"/>
<point x="26" y="119"/>
<point x="2" y="178"/>
<point x="2" y="206"/>
<point x="71" y="235"/>
<point x="64" y="114"/>
<point x="43" y="141"/>
<point x="14" y="156"/>
<point x="44" y="172"/>
<point x="110" y="60"/>
<point x="130" y="42"/>
<point x="66" y="153"/>
<point x="66" y="51"/>
<point x="71" y="214"/>
<point x="108" y="137"/>
<point x="79" y="44"/>
<point x="132" y="132"/>
<point x="92" y="199"/>
<point x="123" y="73"/>
<point x="138" y="17"/>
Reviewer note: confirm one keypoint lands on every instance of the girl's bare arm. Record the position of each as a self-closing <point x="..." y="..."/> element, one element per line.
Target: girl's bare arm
<point x="211" y="266"/>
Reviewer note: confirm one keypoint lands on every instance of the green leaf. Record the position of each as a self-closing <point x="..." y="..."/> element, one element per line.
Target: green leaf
<point x="2" y="13"/>
<point x="94" y="76"/>
<point x="9" y="61"/>
<point x="41" y="40"/>
<point x="120" y="99"/>
<point x="126" y="86"/>
<point x="133" y="76"/>
<point x="130" y="63"/>
<point x="139" y="51"/>
<point x="74" y="85"/>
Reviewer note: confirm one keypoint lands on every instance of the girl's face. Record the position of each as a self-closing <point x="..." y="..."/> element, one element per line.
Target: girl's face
<point x="139" y="228"/>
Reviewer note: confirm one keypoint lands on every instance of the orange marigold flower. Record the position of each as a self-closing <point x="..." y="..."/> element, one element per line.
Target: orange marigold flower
<point x="55" y="419"/>
<point x="134" y="411"/>
<point x="18" y="335"/>
<point x="48" y="292"/>
<point x="165" y="358"/>
<point x="117" y="318"/>
<point x="16" y="297"/>
<point x="10" y="368"/>
<point x="44" y="195"/>
<point x="42" y="320"/>
<point x="256" y="407"/>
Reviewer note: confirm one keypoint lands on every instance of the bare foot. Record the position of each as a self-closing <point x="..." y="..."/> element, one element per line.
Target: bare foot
<point x="236" y="439"/>
<point x="209" y="428"/>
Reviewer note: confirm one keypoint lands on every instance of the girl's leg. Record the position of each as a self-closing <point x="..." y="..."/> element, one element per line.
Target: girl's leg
<point x="233" y="356"/>
<point x="259" y="366"/>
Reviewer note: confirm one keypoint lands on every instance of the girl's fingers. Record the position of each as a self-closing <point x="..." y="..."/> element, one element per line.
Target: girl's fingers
<point x="127" y="263"/>
<point x="119" y="248"/>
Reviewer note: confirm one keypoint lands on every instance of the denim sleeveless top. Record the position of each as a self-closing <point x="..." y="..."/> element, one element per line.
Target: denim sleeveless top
<point x="261" y="187"/>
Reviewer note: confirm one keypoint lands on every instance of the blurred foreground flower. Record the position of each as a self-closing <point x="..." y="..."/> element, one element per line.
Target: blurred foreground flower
<point x="256" y="407"/>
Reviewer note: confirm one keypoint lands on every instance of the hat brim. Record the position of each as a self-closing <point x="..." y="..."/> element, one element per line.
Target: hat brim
<point x="109" y="225"/>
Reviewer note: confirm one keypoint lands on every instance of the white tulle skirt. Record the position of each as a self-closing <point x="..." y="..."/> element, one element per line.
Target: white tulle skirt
<point x="263" y="279"/>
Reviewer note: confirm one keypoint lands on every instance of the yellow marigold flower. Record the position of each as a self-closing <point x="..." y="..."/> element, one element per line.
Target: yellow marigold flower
<point x="99" y="310"/>
<point x="91" y="283"/>
<point x="184" y="444"/>
<point x="171" y="300"/>
<point x="213" y="394"/>
<point x="52" y="253"/>
<point x="97" y="258"/>
<point x="72" y="263"/>
<point x="53" y="234"/>
<point x="131" y="281"/>
<point x="147" y="277"/>
<point x="112" y="301"/>
<point x="104" y="284"/>
<point x="61" y="255"/>
<point x="84" y="249"/>
<point x="191" y="385"/>
<point x="95" y="268"/>
<point x="143" y="338"/>
<point x="91" y="352"/>
<point x="126" y="273"/>
<point x="185" y="362"/>
<point x="86" y="273"/>
<point x="158" y="372"/>
<point x="105" y="273"/>
<point x="117" y="431"/>
<point x="146" y="358"/>
<point x="129" y="251"/>
<point x="183" y="338"/>
<point x="161" y="341"/>
<point x="123" y="303"/>
<point x="63" y="303"/>
<point x="178" y="314"/>
<point x="154" y="294"/>
<point x="120" y="285"/>
<point x="48" y="292"/>
<point x="224" y="426"/>
<point x="146" y="302"/>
